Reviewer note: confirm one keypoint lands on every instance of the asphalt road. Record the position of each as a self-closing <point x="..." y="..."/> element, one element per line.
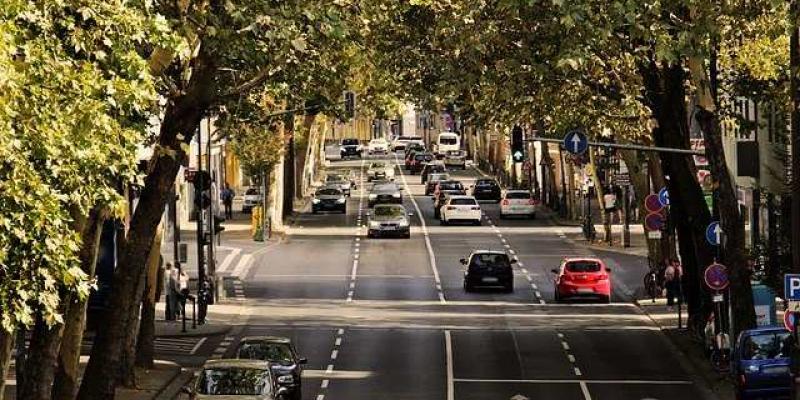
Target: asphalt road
<point x="389" y="319"/>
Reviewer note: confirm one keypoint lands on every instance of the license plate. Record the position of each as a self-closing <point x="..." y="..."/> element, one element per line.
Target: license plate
<point x="489" y="279"/>
<point x="585" y="290"/>
<point x="389" y="228"/>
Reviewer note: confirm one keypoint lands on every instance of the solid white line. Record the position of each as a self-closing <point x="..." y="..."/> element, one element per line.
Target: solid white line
<point x="197" y="346"/>
<point x="226" y="262"/>
<point x="424" y="226"/>
<point x="448" y="346"/>
<point x="585" y="390"/>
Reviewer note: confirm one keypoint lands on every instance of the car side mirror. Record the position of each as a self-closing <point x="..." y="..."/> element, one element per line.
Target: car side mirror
<point x="302" y="360"/>
<point x="555" y="271"/>
<point x="463" y="261"/>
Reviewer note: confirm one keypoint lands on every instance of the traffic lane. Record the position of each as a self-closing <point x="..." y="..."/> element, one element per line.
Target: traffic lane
<point x="645" y="390"/>
<point x="394" y="269"/>
<point x="507" y="390"/>
<point x="485" y="355"/>
<point x="313" y="343"/>
<point x="492" y="211"/>
<point x="635" y="354"/>
<point x="332" y="218"/>
<point x="538" y="254"/>
<point x="390" y="363"/>
<point x="449" y="249"/>
<point x="628" y="272"/>
<point x="302" y="267"/>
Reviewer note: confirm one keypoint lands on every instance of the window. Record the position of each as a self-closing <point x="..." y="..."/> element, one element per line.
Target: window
<point x="489" y="260"/>
<point x="234" y="381"/>
<point x="389" y="211"/>
<point x="583" y="266"/>
<point x="349" y="142"/>
<point x="329" y="192"/>
<point x="451" y="186"/>
<point x="265" y="351"/>
<point x="450" y="141"/>
<point x="462" y="202"/>
<point x="766" y="346"/>
<point x="425" y="157"/>
<point x="251" y="192"/>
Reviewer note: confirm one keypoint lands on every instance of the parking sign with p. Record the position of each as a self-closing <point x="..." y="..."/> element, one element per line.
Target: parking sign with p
<point x="791" y="287"/>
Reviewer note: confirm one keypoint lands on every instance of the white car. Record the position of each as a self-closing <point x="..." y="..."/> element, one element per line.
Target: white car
<point x="461" y="208"/>
<point x="518" y="202"/>
<point x="378" y="146"/>
<point x="401" y="142"/>
<point x="252" y="198"/>
<point x="380" y="171"/>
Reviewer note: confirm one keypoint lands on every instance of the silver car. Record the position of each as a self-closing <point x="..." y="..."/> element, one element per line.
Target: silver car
<point x="342" y="181"/>
<point x="389" y="220"/>
<point x="236" y="379"/>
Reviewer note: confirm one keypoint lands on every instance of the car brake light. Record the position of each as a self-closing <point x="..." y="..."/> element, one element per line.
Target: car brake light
<point x="505" y="202"/>
<point x="601" y="277"/>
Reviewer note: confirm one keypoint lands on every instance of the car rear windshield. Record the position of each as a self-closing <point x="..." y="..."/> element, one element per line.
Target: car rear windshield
<point x="463" y="202"/>
<point x="334" y="178"/>
<point x="251" y="192"/>
<point x="489" y="260"/>
<point x="329" y="192"/>
<point x="266" y="351"/>
<point x="426" y="157"/>
<point x="451" y="186"/>
<point x="438" y="177"/>
<point x="766" y="346"/>
<point x="485" y="183"/>
<point x="518" y="195"/>
<point x="233" y="381"/>
<point x="583" y="266"/>
<point x="349" y="142"/>
<point x="448" y="140"/>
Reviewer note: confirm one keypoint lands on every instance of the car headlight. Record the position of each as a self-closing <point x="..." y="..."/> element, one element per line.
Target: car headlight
<point x="374" y="224"/>
<point x="285" y="379"/>
<point x="396" y="195"/>
<point x="373" y="196"/>
<point x="341" y="200"/>
<point x="315" y="201"/>
<point x="404" y="222"/>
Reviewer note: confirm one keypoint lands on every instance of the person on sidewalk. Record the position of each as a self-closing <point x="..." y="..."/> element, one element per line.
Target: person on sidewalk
<point x="173" y="294"/>
<point x="227" y="200"/>
<point x="183" y="291"/>
<point x="672" y="280"/>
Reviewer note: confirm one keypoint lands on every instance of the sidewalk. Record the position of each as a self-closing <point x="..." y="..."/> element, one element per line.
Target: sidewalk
<point x="688" y="345"/>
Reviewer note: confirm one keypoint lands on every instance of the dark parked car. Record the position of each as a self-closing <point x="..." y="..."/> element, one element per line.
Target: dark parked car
<point x="350" y="148"/>
<point x="487" y="189"/>
<point x="329" y="198"/>
<point x="383" y="193"/>
<point x="389" y="220"/>
<point x="490" y="269"/>
<point x="414" y="147"/>
<point x="418" y="162"/>
<point x="761" y="364"/>
<point x="283" y="360"/>
<point x="430" y="168"/>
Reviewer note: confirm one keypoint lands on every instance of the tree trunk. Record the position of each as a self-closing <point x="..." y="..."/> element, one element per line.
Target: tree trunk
<point x="65" y="384"/>
<point x="146" y="342"/>
<point x="665" y="95"/>
<point x="6" y="347"/>
<point x="794" y="64"/>
<point x="301" y="167"/>
<point x="182" y="116"/>
<point x="42" y="354"/>
<point x="289" y="166"/>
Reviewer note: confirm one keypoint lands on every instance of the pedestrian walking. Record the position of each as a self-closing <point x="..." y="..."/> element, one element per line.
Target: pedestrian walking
<point x="672" y="280"/>
<point x="183" y="290"/>
<point x="610" y="204"/>
<point x="227" y="201"/>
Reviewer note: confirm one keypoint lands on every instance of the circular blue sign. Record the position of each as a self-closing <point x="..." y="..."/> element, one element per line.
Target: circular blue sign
<point x="663" y="196"/>
<point x="576" y="142"/>
<point x="714" y="233"/>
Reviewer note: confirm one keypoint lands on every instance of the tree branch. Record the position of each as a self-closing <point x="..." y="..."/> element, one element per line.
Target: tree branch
<point x="258" y="79"/>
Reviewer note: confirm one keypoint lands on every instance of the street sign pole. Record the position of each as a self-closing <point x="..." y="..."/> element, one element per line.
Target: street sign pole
<point x="201" y="262"/>
<point x="626" y="227"/>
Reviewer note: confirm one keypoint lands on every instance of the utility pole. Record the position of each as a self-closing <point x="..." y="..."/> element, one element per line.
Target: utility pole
<point x="201" y="267"/>
<point x="794" y="15"/>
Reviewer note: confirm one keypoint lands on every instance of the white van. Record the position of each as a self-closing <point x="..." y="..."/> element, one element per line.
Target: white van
<point x="447" y="141"/>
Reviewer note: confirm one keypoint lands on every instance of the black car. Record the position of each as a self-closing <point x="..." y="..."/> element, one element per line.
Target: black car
<point x="283" y="360"/>
<point x="350" y="148"/>
<point x="487" y="189"/>
<point x="389" y="220"/>
<point x="431" y="168"/>
<point x="418" y="162"/>
<point x="329" y="198"/>
<point x="385" y="193"/>
<point x="414" y="147"/>
<point x="489" y="269"/>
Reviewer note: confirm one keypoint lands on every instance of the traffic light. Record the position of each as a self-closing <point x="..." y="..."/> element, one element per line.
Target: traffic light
<point x="349" y="104"/>
<point x="517" y="144"/>
<point x="218" y="224"/>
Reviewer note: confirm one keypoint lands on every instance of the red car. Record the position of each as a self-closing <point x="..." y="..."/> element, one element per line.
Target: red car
<point x="583" y="277"/>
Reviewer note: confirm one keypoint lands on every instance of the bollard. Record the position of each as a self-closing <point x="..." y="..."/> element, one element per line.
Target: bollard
<point x="183" y="316"/>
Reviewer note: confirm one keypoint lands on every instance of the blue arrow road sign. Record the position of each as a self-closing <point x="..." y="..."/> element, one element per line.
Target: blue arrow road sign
<point x="791" y="287"/>
<point x="714" y="233"/>
<point x="575" y="142"/>
<point x="663" y="196"/>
